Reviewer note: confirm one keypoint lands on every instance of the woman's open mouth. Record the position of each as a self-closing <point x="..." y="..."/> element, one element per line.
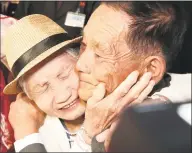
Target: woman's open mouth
<point x="71" y="105"/>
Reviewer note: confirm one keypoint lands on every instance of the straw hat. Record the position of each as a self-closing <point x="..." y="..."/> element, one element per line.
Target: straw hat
<point x="28" y="42"/>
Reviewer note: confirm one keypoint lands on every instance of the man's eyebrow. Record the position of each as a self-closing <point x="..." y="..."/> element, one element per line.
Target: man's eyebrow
<point x="98" y="45"/>
<point x="95" y="44"/>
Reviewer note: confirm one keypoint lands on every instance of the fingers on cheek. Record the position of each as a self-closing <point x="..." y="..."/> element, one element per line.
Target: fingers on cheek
<point x="136" y="94"/>
<point x="130" y="97"/>
<point x="146" y="76"/>
<point x="112" y="105"/>
<point x="132" y="93"/>
<point x="127" y="101"/>
<point x="132" y="78"/>
<point x="146" y="91"/>
<point x="137" y="89"/>
<point x="144" y="94"/>
<point x="141" y="85"/>
<point x="123" y="89"/>
<point x="143" y="82"/>
<point x="94" y="95"/>
<point x="86" y="85"/>
<point x="126" y="85"/>
<point x="85" y="94"/>
<point x="99" y="92"/>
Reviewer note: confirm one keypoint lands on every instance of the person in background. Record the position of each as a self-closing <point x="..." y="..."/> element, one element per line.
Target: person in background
<point x="12" y="8"/>
<point x="4" y="6"/>
<point x="6" y="131"/>
<point x="183" y="62"/>
<point x="8" y="7"/>
<point x="71" y="15"/>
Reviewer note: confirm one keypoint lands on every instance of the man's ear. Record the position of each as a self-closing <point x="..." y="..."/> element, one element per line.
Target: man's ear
<point x="156" y="65"/>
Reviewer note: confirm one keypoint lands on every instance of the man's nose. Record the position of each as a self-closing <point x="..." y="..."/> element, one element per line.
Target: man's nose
<point x="84" y="62"/>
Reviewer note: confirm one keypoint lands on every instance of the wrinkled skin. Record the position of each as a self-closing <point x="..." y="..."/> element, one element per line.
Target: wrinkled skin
<point x="107" y="59"/>
<point x="105" y="56"/>
<point x="54" y="85"/>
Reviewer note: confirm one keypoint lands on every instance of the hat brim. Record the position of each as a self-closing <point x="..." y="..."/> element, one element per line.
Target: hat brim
<point x="12" y="87"/>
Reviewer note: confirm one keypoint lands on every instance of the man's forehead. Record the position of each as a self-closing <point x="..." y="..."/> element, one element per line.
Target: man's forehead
<point x="104" y="24"/>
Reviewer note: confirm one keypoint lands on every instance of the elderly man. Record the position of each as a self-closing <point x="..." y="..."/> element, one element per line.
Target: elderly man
<point x="114" y="48"/>
<point x="124" y="36"/>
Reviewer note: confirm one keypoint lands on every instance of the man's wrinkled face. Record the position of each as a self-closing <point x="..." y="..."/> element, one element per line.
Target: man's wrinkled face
<point x="105" y="56"/>
<point x="54" y="88"/>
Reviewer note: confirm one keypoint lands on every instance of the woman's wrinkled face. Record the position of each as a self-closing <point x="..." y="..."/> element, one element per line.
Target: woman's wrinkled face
<point x="54" y="88"/>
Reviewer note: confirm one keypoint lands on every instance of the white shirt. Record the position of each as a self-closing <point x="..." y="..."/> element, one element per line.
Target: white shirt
<point x="53" y="136"/>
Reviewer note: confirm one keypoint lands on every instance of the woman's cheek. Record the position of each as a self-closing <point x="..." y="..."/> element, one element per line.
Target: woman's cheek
<point x="74" y="80"/>
<point x="44" y="102"/>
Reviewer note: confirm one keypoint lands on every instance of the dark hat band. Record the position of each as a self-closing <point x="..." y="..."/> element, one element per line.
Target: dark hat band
<point x="38" y="49"/>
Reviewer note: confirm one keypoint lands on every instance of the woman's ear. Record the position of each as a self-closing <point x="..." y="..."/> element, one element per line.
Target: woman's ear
<point x="156" y="65"/>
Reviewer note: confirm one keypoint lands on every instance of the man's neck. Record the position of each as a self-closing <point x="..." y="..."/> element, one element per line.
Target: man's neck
<point x="74" y="125"/>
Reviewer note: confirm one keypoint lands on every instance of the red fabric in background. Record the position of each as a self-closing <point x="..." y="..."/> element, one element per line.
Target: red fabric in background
<point x="6" y="132"/>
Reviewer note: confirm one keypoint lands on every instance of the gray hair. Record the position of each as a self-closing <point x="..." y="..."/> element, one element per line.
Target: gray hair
<point x="74" y="52"/>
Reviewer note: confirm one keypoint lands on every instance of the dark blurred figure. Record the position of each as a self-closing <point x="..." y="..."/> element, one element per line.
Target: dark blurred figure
<point x="4" y="7"/>
<point x="62" y="12"/>
<point x="12" y="8"/>
<point x="154" y="128"/>
<point x="8" y="7"/>
<point x="183" y="62"/>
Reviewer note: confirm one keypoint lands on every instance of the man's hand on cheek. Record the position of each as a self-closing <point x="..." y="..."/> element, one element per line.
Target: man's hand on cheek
<point x="101" y="113"/>
<point x="87" y="85"/>
<point x="25" y="117"/>
<point x="85" y="90"/>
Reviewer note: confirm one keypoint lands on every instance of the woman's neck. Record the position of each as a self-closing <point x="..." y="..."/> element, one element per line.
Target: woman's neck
<point x="73" y="126"/>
